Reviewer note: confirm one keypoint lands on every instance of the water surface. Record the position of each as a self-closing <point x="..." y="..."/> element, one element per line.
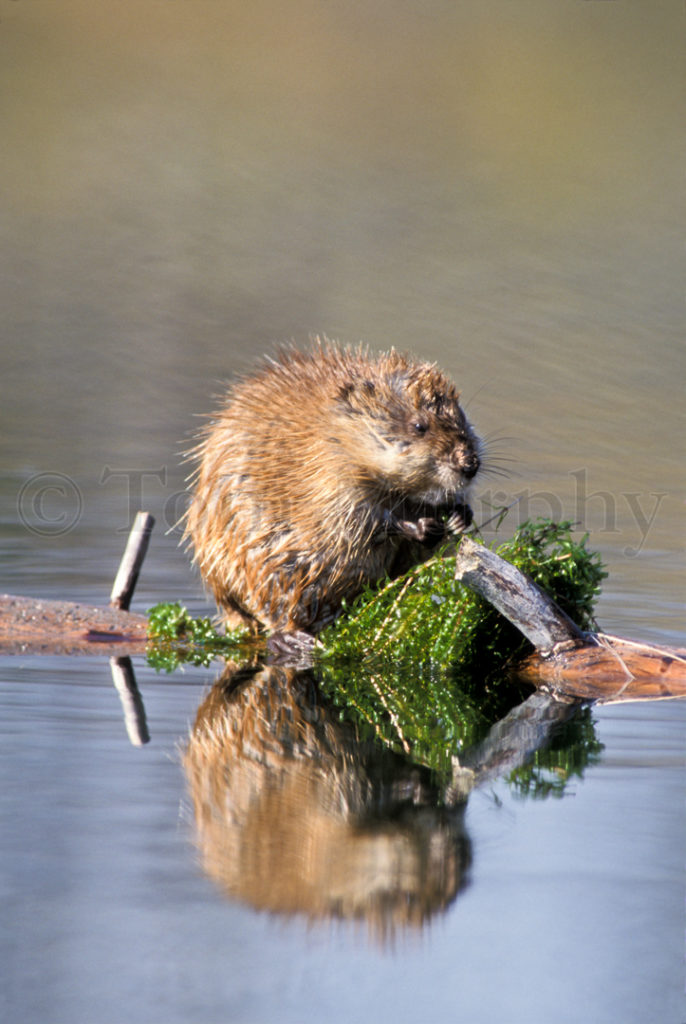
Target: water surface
<point x="495" y="187"/>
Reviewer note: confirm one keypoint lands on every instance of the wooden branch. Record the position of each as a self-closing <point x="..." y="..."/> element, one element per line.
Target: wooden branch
<point x="592" y="666"/>
<point x="515" y="596"/>
<point x="129" y="567"/>
<point x="609" y="669"/>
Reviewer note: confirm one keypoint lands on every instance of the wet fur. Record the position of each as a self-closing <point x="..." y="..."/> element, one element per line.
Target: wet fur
<point x="320" y="473"/>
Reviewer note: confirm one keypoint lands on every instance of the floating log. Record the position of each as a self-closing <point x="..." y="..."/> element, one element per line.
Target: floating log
<point x="32" y="626"/>
<point x="568" y="662"/>
<point x="609" y="669"/>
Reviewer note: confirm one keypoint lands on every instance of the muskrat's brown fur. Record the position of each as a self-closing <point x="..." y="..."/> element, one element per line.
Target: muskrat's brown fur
<point x="321" y="473"/>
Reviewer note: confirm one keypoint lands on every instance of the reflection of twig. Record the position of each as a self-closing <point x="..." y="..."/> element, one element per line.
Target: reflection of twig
<point x="134" y="711"/>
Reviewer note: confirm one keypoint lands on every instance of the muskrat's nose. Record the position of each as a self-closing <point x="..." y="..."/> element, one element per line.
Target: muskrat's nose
<point x="469" y="464"/>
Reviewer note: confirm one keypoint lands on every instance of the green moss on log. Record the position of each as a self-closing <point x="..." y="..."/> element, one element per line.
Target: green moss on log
<point x="427" y="614"/>
<point x="422" y="662"/>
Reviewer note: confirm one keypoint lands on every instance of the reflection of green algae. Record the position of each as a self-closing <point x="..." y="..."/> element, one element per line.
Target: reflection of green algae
<point x="423" y="661"/>
<point x="572" y="750"/>
<point x="434" y="715"/>
<point x="424" y="710"/>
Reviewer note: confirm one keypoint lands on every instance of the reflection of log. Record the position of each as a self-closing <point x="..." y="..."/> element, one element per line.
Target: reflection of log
<point x="510" y="743"/>
<point x="587" y="666"/>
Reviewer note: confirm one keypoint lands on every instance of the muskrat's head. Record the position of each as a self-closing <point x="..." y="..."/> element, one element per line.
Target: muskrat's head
<point x="411" y="435"/>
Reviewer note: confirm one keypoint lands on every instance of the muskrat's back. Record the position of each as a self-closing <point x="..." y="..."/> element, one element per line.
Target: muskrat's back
<point x="324" y="471"/>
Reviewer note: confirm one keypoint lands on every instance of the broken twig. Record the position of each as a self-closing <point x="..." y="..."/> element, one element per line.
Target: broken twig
<point x="130" y="565"/>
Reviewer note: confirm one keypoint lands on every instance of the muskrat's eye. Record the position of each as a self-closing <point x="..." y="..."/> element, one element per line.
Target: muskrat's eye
<point x="420" y="428"/>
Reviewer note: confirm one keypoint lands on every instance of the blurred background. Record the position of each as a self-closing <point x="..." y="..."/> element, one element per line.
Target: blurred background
<point x="494" y="186"/>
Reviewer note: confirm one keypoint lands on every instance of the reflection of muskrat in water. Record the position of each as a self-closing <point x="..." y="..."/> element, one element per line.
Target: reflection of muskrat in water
<point x="295" y="814"/>
<point x="323" y="472"/>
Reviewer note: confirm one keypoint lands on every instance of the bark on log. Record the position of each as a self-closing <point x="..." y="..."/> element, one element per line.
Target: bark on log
<point x="30" y="626"/>
<point x="609" y="669"/>
<point x="568" y="662"/>
<point x="515" y="596"/>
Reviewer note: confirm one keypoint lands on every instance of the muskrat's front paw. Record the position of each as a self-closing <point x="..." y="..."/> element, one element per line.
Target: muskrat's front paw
<point x="460" y="519"/>
<point x="426" y="530"/>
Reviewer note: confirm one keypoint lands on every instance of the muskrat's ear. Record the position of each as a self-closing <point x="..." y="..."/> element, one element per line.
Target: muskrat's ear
<point x="355" y="396"/>
<point x="348" y="399"/>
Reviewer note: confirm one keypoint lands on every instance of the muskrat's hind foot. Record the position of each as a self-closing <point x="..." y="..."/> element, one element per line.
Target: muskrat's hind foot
<point x="293" y="647"/>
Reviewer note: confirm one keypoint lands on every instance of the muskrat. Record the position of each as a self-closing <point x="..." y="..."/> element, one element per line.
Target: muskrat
<point x="322" y="472"/>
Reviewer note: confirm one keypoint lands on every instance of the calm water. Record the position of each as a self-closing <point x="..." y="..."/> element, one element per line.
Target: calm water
<point x="496" y="187"/>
